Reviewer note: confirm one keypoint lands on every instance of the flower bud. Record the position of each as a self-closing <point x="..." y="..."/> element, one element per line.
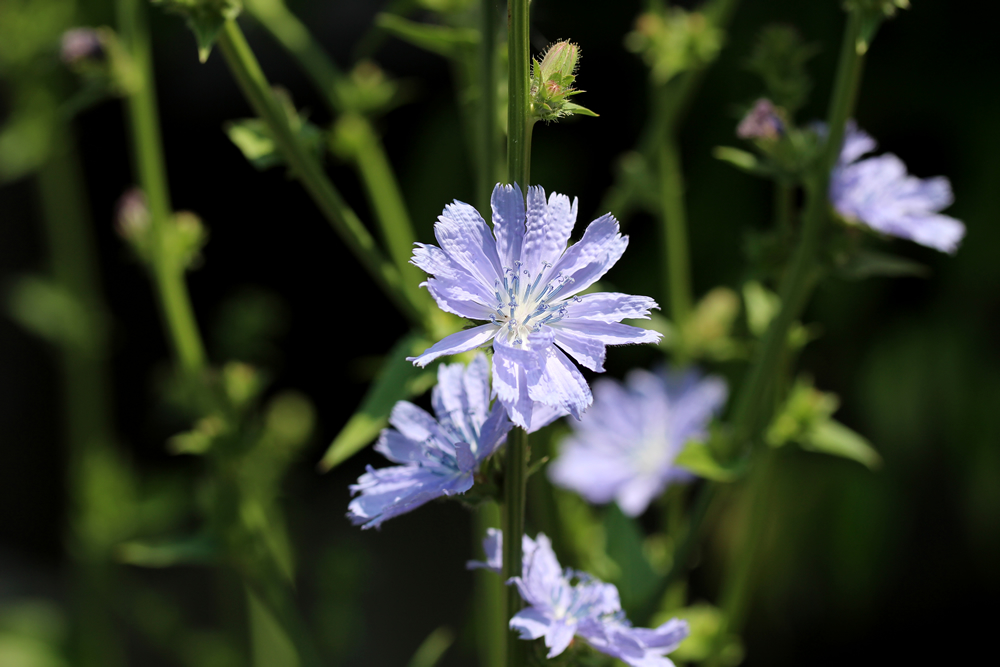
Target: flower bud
<point x="81" y="44"/>
<point x="552" y="83"/>
<point x="763" y="121"/>
<point x="132" y="215"/>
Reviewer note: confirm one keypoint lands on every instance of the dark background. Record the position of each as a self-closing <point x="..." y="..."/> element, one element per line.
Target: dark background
<point x="899" y="564"/>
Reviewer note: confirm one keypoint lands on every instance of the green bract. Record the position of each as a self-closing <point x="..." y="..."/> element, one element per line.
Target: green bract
<point x="552" y="81"/>
<point x="205" y="18"/>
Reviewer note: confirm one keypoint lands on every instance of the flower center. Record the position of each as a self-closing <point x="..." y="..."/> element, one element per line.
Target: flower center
<point x="524" y="304"/>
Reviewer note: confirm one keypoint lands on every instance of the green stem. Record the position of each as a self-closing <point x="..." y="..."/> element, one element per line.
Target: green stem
<point x="514" y="491"/>
<point x="677" y="270"/>
<point x="491" y="628"/>
<point x="386" y="200"/>
<point x="370" y="160"/>
<point x="147" y="153"/>
<point x="750" y="413"/>
<point x="489" y="133"/>
<point x="784" y="208"/>
<point x="245" y="68"/>
<point x="519" y="118"/>
<point x="275" y="17"/>
<point x="86" y="401"/>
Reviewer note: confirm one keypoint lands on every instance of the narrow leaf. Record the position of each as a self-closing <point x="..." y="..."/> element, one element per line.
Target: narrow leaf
<point x="188" y="550"/>
<point x="433" y="648"/>
<point x="697" y="458"/>
<point x="832" y="437"/>
<point x="868" y="263"/>
<point x="443" y="40"/>
<point x="399" y="379"/>
<point x="638" y="580"/>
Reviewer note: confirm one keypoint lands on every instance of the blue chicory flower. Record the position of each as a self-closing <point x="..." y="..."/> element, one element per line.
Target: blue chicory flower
<point x="878" y="192"/>
<point x="436" y="457"/>
<point x="624" y="447"/>
<point x="561" y="608"/>
<point x="525" y="282"/>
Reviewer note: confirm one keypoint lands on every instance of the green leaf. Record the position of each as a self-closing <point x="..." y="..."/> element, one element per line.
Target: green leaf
<point x="398" y="379"/>
<point x="50" y="311"/>
<point x="196" y="549"/>
<point x="252" y="137"/>
<point x="868" y="263"/>
<point x="832" y="437"/>
<point x="761" y="306"/>
<point x="442" y="40"/>
<point x="637" y="580"/>
<point x="742" y="160"/>
<point x="697" y="457"/>
<point x="205" y="18"/>
<point x="576" y="109"/>
<point x="432" y="648"/>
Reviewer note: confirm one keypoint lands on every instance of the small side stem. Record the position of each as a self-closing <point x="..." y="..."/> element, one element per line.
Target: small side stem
<point x="514" y="491"/>
<point x="147" y="152"/>
<point x="248" y="74"/>
<point x="677" y="271"/>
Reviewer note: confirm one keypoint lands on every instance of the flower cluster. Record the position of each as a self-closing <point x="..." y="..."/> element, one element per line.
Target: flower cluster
<point x="525" y="283"/>
<point x="563" y="604"/>
<point x="624" y="447"/>
<point x="436" y="457"/>
<point x="878" y="192"/>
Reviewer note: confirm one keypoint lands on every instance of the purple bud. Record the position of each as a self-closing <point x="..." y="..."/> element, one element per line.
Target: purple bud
<point x="132" y="214"/>
<point x="761" y="122"/>
<point x="79" y="44"/>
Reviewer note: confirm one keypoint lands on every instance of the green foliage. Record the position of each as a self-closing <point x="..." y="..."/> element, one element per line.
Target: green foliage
<point x="32" y="633"/>
<point x="205" y="18"/>
<point x="447" y="41"/>
<point x="367" y="90"/>
<point x="433" y="648"/>
<point x="636" y="578"/>
<point x="705" y="622"/>
<point x="52" y="312"/>
<point x="699" y="459"/>
<point x="863" y="263"/>
<point x="872" y="13"/>
<point x="707" y="332"/>
<point x="674" y="40"/>
<point x="398" y="379"/>
<point x="255" y="141"/>
<point x="779" y="58"/>
<point x="806" y="419"/>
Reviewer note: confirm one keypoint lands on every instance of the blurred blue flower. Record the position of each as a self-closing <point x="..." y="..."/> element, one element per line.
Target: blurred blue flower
<point x="624" y="447"/>
<point x="437" y="457"/>
<point x="561" y="608"/>
<point x="878" y="192"/>
<point x="639" y="647"/>
<point x="524" y="281"/>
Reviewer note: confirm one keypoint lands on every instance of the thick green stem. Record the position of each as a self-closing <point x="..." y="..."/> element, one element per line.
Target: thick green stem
<point x="519" y="118"/>
<point x="489" y="133"/>
<point x="86" y="401"/>
<point x="147" y="153"/>
<point x="245" y="68"/>
<point x="751" y="412"/>
<point x="677" y="269"/>
<point x="514" y="491"/>
<point x="491" y="624"/>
